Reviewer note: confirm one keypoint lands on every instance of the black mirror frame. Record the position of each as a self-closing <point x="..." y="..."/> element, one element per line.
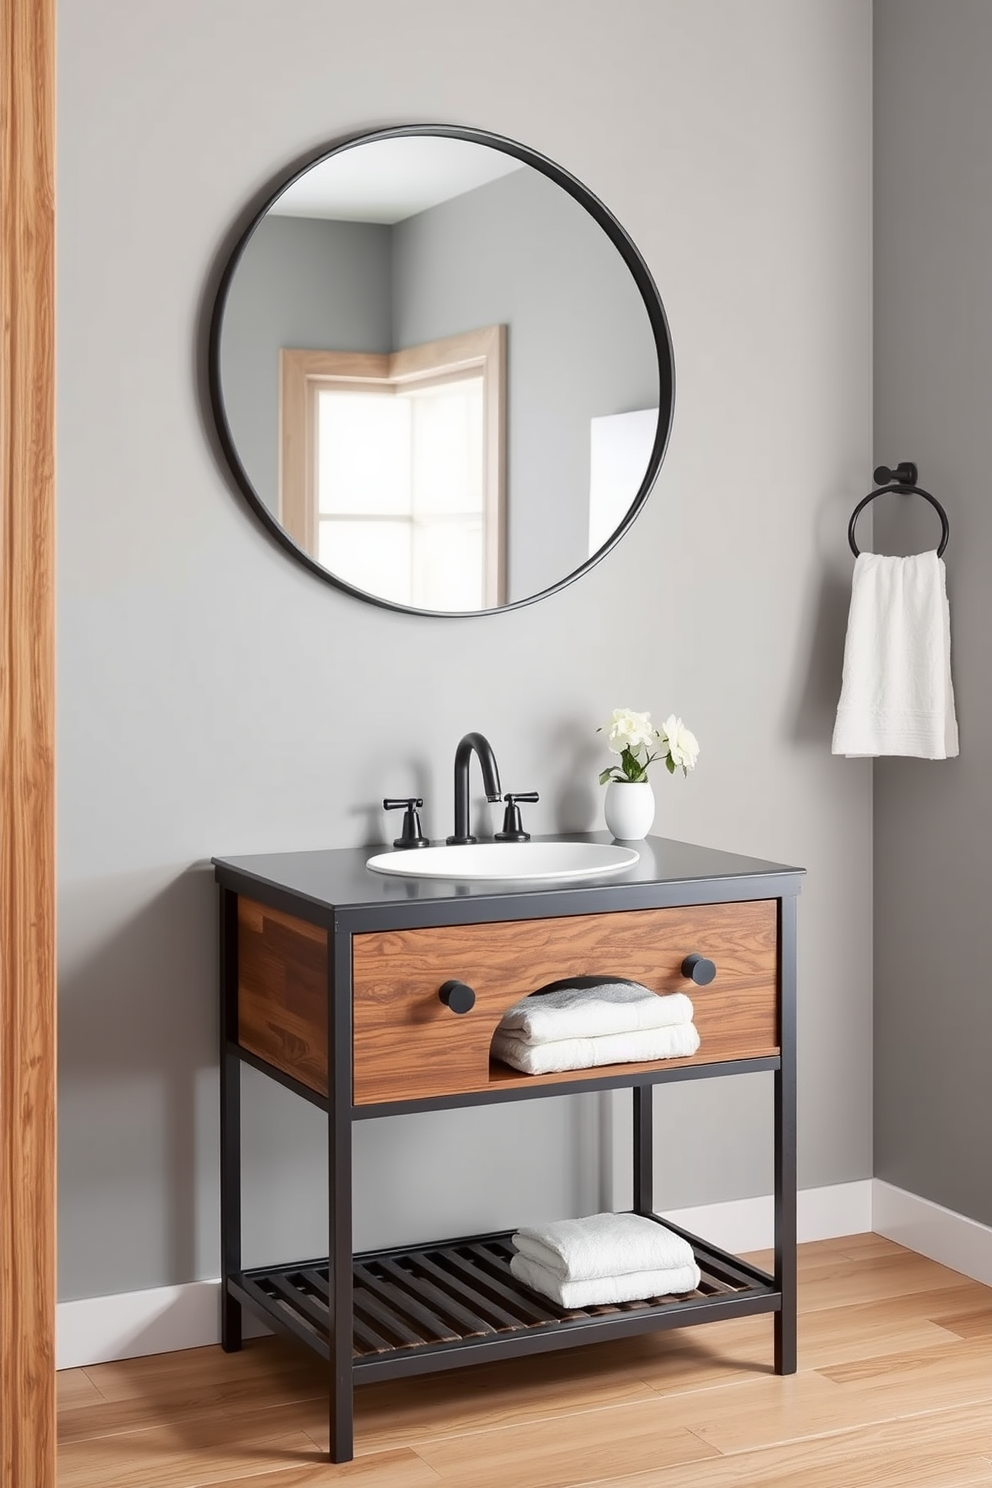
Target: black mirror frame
<point x="615" y="232"/>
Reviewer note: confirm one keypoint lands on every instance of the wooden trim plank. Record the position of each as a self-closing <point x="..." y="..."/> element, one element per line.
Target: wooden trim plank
<point x="27" y="744"/>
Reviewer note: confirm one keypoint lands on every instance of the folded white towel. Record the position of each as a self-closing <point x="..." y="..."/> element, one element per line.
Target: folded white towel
<point x="602" y="1245"/>
<point x="631" y="1287"/>
<point x="896" y="693"/>
<point x="580" y="1011"/>
<point x="677" y="1042"/>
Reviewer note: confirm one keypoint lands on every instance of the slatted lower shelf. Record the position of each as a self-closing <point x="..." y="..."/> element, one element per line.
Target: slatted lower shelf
<point x="413" y="1304"/>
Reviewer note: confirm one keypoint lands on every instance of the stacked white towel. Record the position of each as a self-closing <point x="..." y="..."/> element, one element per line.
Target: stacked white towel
<point x="896" y="692"/>
<point x="590" y="1022"/>
<point x="603" y="1258"/>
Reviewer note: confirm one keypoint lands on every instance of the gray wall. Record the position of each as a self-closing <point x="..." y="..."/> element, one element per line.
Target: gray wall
<point x="215" y="698"/>
<point x="933" y="382"/>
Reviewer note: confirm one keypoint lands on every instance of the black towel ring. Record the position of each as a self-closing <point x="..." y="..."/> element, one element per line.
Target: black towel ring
<point x="902" y="479"/>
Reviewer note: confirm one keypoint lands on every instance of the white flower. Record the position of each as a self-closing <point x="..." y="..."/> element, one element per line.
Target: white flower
<point x="631" y="736"/>
<point x="679" y="745"/>
<point x="625" y="729"/>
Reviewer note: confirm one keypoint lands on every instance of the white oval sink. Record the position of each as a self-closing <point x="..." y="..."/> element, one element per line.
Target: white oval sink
<point x="507" y="861"/>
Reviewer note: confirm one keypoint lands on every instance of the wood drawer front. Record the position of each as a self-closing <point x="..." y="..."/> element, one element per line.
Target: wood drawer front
<point x="282" y="992"/>
<point x="409" y="1046"/>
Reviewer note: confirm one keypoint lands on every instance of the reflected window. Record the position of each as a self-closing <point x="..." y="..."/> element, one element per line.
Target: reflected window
<point x="392" y="468"/>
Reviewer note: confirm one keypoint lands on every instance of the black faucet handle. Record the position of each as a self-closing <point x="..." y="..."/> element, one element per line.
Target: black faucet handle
<point x="513" y="830"/>
<point x="411" y="833"/>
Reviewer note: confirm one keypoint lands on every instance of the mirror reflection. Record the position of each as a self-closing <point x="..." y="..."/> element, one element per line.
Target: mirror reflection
<point x="436" y="374"/>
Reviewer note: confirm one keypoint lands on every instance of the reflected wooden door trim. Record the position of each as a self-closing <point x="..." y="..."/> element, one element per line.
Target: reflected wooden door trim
<point x="305" y="372"/>
<point x="27" y="791"/>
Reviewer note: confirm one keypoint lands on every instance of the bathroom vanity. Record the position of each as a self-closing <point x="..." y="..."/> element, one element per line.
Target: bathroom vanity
<point x="330" y="983"/>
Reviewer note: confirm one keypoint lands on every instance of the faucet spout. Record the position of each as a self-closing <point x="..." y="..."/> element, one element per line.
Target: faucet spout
<point x="479" y="745"/>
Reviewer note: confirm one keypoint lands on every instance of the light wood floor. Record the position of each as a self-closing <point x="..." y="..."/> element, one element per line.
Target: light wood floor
<point x="894" y="1390"/>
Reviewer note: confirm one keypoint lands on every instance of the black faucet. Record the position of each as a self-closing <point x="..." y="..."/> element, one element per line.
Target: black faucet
<point x="490" y="778"/>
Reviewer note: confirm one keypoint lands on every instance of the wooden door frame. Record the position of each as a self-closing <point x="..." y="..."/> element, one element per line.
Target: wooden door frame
<point x="27" y="774"/>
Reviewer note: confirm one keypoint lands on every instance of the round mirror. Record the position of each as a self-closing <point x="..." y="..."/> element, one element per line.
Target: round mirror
<point x="440" y="370"/>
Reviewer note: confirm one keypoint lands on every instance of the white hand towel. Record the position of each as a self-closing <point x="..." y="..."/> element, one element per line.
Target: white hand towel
<point x="896" y="693"/>
<point x="589" y="1012"/>
<point x="632" y="1287"/>
<point x="677" y="1042"/>
<point x="602" y="1245"/>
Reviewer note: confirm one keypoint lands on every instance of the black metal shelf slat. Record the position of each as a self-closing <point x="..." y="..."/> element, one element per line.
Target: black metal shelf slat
<point x="489" y="1311"/>
<point x="247" y="1290"/>
<point x="526" y="1305"/>
<point x="287" y="1289"/>
<point x="407" y="1306"/>
<point x="365" y="1338"/>
<point x="407" y="1318"/>
<point x="368" y="1300"/>
<point x="441" y="1301"/>
<point x="317" y="1281"/>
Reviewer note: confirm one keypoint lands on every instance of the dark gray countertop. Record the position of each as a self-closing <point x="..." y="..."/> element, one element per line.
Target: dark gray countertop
<point x="667" y="872"/>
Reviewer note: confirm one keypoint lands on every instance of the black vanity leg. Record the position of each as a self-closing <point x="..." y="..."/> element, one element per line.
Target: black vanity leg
<point x="230" y="1122"/>
<point x="785" y="1146"/>
<point x="339" y="1270"/>
<point x="643" y="1097"/>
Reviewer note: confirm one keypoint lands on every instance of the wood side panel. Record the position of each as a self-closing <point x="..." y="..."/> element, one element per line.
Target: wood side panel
<point x="27" y="709"/>
<point x="282" y="992"/>
<point x="408" y="1045"/>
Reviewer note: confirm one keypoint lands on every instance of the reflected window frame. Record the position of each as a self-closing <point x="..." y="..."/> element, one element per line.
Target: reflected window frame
<point x="305" y="374"/>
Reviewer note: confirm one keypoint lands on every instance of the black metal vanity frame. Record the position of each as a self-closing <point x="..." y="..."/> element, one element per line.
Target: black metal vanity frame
<point x="462" y="1289"/>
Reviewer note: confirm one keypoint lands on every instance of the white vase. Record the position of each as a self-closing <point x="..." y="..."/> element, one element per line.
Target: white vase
<point x="629" y="808"/>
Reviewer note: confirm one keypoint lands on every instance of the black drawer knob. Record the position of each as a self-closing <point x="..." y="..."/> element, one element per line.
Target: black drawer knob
<point x="698" y="970"/>
<point x="458" y="996"/>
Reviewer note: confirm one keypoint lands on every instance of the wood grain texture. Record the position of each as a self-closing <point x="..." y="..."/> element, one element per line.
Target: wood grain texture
<point x="408" y="1045"/>
<point x="885" y="1397"/>
<point x="27" y="786"/>
<point x="222" y="1447"/>
<point x="387" y="1470"/>
<point x="282" y="992"/>
<point x="943" y="1449"/>
<point x="532" y="1457"/>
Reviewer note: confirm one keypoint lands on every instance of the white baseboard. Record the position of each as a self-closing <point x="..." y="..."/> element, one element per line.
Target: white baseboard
<point x="931" y="1230"/>
<point x="95" y="1330"/>
<point x="749" y="1224"/>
